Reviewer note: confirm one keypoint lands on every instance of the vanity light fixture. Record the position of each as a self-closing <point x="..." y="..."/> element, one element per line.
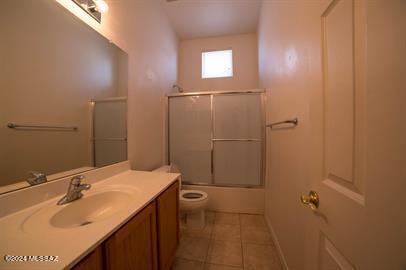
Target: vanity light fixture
<point x="94" y="8"/>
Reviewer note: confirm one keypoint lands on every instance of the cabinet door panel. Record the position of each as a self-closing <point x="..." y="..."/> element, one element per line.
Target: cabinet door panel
<point x="134" y="245"/>
<point x="91" y="261"/>
<point x="168" y="225"/>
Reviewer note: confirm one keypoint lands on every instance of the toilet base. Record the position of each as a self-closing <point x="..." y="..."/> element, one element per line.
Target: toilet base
<point x="195" y="220"/>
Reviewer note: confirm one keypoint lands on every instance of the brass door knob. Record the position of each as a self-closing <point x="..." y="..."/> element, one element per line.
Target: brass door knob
<point x="311" y="200"/>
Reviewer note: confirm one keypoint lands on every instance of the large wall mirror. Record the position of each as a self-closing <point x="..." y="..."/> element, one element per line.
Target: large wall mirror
<point x="63" y="95"/>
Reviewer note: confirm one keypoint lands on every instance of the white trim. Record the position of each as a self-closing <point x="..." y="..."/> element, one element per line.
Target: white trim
<point x="341" y="261"/>
<point x="277" y="245"/>
<point x="356" y="197"/>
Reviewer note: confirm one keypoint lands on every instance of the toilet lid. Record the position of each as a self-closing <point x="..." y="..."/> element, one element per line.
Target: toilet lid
<point x="193" y="195"/>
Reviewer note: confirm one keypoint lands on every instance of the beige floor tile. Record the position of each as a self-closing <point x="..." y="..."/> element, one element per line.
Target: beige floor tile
<point x="210" y="217"/>
<point x="220" y="267"/>
<point x="205" y="232"/>
<point x="225" y="253"/>
<point x="226" y="232"/>
<point x="256" y="235"/>
<point x="193" y="248"/>
<point x="253" y="221"/>
<point x="227" y="218"/>
<point x="182" y="264"/>
<point x="260" y="257"/>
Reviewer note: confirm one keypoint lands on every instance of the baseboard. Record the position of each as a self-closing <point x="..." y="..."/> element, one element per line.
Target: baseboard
<point x="277" y="245"/>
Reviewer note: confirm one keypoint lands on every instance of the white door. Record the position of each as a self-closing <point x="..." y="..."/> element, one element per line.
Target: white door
<point x="357" y="140"/>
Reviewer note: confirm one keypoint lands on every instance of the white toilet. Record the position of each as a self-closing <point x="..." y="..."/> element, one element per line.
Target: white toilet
<point x="192" y="202"/>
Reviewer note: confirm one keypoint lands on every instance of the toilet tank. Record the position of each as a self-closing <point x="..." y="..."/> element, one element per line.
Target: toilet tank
<point x="166" y="169"/>
<point x="172" y="168"/>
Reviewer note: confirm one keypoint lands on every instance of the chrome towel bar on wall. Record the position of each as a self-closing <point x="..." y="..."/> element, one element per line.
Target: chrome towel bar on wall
<point x="293" y="121"/>
<point x="40" y="127"/>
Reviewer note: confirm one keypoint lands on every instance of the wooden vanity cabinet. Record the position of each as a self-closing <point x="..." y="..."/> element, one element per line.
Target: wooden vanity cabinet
<point x="168" y="226"/>
<point x="92" y="261"/>
<point x="147" y="242"/>
<point x="134" y="245"/>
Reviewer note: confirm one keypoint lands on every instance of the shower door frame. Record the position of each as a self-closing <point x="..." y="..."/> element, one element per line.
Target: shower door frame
<point x="262" y="94"/>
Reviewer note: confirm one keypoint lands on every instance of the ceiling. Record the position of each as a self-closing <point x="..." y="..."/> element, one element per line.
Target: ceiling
<point x="207" y="18"/>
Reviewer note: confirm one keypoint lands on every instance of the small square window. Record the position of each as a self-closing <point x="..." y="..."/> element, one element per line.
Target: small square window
<point x="217" y="64"/>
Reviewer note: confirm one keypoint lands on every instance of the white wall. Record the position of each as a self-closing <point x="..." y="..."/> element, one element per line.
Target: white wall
<point x="289" y="66"/>
<point x="142" y="29"/>
<point x="245" y="63"/>
<point x="385" y="130"/>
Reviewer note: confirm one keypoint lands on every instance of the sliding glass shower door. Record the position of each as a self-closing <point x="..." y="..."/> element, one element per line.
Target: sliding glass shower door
<point x="217" y="139"/>
<point x="190" y="137"/>
<point x="237" y="139"/>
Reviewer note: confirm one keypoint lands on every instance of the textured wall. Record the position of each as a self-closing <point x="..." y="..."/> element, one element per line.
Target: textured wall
<point x="245" y="63"/>
<point x="289" y="66"/>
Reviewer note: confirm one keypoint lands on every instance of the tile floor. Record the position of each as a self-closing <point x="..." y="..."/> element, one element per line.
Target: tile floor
<point x="228" y="242"/>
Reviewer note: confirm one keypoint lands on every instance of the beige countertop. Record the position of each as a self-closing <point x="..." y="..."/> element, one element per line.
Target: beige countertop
<point x="72" y="244"/>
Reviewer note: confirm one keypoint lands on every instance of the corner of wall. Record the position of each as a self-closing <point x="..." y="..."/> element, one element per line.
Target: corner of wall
<point x="276" y="242"/>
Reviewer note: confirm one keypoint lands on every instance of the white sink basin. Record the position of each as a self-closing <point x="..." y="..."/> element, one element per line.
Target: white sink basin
<point x="91" y="208"/>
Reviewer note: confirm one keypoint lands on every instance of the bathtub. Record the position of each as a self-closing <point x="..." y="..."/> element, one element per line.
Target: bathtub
<point x="227" y="199"/>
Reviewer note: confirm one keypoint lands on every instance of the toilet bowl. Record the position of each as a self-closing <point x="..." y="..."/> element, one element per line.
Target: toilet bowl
<point x="192" y="202"/>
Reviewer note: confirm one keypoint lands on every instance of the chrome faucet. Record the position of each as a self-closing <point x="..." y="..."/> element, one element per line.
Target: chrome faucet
<point x="74" y="190"/>
<point x="36" y="178"/>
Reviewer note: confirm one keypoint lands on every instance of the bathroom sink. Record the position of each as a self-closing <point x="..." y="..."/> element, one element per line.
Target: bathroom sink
<point x="91" y="208"/>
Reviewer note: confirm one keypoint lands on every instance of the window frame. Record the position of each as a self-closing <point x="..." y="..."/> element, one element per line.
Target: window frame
<point x="217" y="50"/>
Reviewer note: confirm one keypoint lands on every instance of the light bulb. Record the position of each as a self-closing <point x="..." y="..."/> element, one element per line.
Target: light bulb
<point x="101" y="6"/>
